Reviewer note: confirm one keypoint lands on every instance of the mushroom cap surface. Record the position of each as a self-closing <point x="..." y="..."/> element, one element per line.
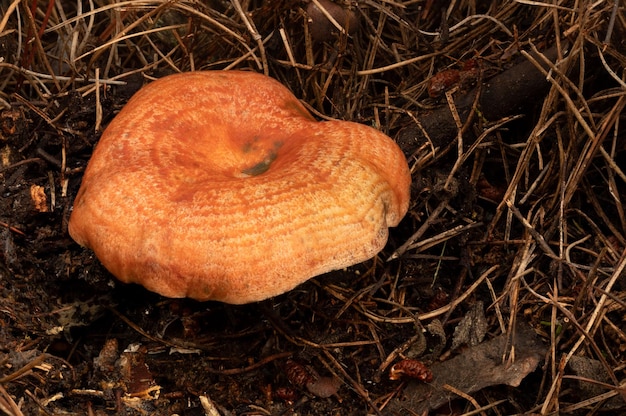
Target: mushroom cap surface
<point x="219" y="185"/>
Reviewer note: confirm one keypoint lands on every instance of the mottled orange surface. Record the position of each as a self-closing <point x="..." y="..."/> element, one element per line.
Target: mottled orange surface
<point x="221" y="186"/>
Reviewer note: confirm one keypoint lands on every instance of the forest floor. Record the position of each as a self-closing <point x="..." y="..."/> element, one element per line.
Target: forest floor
<point x="505" y="280"/>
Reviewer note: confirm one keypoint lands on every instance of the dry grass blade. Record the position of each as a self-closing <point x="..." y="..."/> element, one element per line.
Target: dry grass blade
<point x="8" y="405"/>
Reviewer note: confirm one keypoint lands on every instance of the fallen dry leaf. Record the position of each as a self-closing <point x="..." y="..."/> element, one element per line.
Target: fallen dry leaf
<point x="590" y="370"/>
<point x="461" y="372"/>
<point x="472" y="328"/>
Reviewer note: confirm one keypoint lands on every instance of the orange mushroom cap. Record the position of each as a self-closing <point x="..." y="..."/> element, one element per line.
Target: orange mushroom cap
<point x="219" y="185"/>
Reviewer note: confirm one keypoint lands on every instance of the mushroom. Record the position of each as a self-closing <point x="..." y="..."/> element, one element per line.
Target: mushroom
<point x="322" y="28"/>
<point x="219" y="185"/>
